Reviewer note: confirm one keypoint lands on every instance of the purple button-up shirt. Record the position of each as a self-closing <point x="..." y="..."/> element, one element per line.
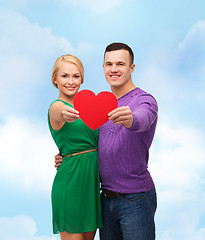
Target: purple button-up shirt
<point x="124" y="153"/>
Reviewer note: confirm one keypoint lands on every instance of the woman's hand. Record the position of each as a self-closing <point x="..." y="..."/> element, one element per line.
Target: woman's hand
<point x="70" y="114"/>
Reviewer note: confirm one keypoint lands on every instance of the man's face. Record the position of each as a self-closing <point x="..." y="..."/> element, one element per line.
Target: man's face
<point x="117" y="68"/>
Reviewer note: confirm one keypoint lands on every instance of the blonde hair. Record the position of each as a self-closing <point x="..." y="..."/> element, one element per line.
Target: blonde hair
<point x="67" y="58"/>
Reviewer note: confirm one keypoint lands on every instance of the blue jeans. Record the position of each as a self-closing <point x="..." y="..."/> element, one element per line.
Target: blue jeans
<point x="129" y="217"/>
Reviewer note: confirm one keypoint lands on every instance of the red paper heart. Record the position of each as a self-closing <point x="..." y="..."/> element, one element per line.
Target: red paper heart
<point x="93" y="110"/>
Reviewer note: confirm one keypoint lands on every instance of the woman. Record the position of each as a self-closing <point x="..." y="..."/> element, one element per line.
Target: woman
<point x="75" y="193"/>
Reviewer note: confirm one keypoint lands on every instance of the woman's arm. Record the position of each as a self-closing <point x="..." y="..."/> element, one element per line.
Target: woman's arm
<point x="59" y="113"/>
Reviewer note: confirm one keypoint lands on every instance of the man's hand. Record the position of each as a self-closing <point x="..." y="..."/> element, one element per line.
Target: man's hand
<point x="58" y="160"/>
<point x="70" y="114"/>
<point x="121" y="115"/>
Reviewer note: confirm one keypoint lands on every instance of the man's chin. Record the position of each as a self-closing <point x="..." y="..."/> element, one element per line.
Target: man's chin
<point x="115" y="85"/>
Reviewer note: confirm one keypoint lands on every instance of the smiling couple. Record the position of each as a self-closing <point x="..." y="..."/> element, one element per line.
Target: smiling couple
<point x="115" y="155"/>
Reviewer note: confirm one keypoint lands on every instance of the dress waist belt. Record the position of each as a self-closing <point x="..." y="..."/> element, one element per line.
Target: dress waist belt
<point x="78" y="153"/>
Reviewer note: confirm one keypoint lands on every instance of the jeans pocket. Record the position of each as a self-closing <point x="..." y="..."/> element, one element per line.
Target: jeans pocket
<point x="134" y="196"/>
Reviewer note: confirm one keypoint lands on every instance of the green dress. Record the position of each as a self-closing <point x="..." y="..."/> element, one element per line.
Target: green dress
<point x="75" y="195"/>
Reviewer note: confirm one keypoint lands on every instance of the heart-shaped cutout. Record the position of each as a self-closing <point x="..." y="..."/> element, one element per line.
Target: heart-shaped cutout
<point x="93" y="110"/>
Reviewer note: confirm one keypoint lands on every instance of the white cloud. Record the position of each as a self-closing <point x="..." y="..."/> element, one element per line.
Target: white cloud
<point x="195" y="35"/>
<point x="156" y="78"/>
<point x="100" y="6"/>
<point x="20" y="228"/>
<point x="200" y="235"/>
<point x="177" y="166"/>
<point x="20" y="37"/>
<point x="181" y="151"/>
<point x="190" y="54"/>
<point x="27" y="156"/>
<point x="176" y="78"/>
<point x="27" y="53"/>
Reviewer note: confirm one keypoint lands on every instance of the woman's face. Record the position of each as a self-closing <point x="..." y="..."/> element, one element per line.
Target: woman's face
<point x="68" y="79"/>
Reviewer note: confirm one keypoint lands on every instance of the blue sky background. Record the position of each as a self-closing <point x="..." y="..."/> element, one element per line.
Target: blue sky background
<point x="168" y="39"/>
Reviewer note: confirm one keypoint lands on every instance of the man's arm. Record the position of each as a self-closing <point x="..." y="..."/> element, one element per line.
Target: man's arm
<point x="58" y="160"/>
<point x="145" y="114"/>
<point x="139" y="118"/>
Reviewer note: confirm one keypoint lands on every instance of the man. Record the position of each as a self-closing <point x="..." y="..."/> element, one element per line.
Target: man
<point x="128" y="192"/>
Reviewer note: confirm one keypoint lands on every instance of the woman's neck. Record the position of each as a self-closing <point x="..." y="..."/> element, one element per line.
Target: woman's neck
<point x="68" y="99"/>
